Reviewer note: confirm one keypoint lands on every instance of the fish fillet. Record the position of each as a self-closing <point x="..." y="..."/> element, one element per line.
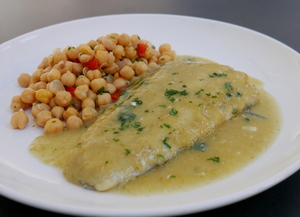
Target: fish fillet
<point x="154" y="119"/>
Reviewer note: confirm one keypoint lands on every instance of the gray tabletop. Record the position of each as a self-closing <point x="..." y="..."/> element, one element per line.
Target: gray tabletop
<point x="276" y="18"/>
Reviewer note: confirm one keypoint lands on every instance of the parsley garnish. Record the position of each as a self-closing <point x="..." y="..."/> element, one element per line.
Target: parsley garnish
<point x="228" y="86"/>
<point x="136" y="124"/>
<point x="214" y="159"/>
<point x="217" y="75"/>
<point x="127" y="151"/>
<point x="235" y="111"/>
<point x="173" y="112"/>
<point x="165" y="142"/>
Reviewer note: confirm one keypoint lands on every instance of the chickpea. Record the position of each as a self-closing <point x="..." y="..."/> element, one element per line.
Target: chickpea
<point x="135" y="40"/>
<point x="52" y="103"/>
<point x="59" y="56"/>
<point x="39" y="85"/>
<point x="171" y="54"/>
<point x="44" y="77"/>
<point x="89" y="114"/>
<point x="98" y="84"/>
<point x="19" y="120"/>
<point x="92" y="43"/>
<point x="64" y="66"/>
<point x="69" y="112"/>
<point x="24" y="79"/>
<point x="108" y="43"/>
<point x="149" y="53"/>
<point x="35" y="77"/>
<point x="127" y="72"/>
<point x="86" y="49"/>
<point x="91" y="94"/>
<point x="111" y="88"/>
<point x="17" y="103"/>
<point x="140" y="67"/>
<point x="102" y="57"/>
<point x="81" y="91"/>
<point x="93" y="74"/>
<point x="121" y="83"/>
<point x="156" y="53"/>
<point x="57" y="112"/>
<point x="43" y="95"/>
<point x="38" y="107"/>
<point x="54" y="74"/>
<point x="116" y="76"/>
<point x="124" y="39"/>
<point x="71" y="52"/>
<point x="68" y="79"/>
<point x="99" y="47"/>
<point x="55" y="86"/>
<point x="63" y="98"/>
<point x="74" y="123"/>
<point x="82" y="80"/>
<point x="42" y="117"/>
<point x="153" y="59"/>
<point x="87" y="102"/>
<point x="111" y="69"/>
<point x="77" y="68"/>
<point x="54" y="125"/>
<point x="28" y="95"/>
<point x="104" y="99"/>
<point x="130" y="52"/>
<point x="164" y="48"/>
<point x="76" y="103"/>
<point x="127" y="62"/>
<point x="44" y="63"/>
<point x="153" y="65"/>
<point x="164" y="59"/>
<point x="119" y="52"/>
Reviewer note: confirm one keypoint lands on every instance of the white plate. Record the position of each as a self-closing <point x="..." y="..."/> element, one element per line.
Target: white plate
<point x="26" y="180"/>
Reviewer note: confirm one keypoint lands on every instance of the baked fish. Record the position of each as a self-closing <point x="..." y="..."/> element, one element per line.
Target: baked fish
<point x="156" y="118"/>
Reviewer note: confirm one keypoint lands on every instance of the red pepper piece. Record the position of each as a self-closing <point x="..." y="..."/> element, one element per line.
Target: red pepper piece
<point x="141" y="48"/>
<point x="71" y="90"/>
<point x="91" y="63"/>
<point x="116" y="94"/>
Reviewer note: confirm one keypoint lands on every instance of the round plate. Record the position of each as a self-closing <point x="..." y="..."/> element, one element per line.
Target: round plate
<point x="26" y="180"/>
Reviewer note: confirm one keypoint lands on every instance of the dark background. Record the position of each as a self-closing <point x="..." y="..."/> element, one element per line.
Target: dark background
<point x="276" y="18"/>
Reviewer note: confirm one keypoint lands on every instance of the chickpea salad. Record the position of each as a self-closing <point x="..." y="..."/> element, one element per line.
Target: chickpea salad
<point x="71" y="85"/>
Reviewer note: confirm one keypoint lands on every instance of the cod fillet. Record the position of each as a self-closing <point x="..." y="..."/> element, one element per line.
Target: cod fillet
<point x="160" y="115"/>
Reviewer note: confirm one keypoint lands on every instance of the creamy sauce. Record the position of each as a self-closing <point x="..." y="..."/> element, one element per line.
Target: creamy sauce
<point x="231" y="147"/>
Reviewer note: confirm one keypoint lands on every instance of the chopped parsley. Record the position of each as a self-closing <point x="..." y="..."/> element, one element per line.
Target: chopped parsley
<point x="214" y="159"/>
<point x="173" y="92"/>
<point x="173" y="112"/>
<point x="160" y="156"/>
<point x="213" y="75"/>
<point x="165" y="142"/>
<point x="228" y="86"/>
<point x="102" y="90"/>
<point x="137" y="101"/>
<point x="127" y="151"/>
<point x="167" y="125"/>
<point x="136" y="124"/>
<point x="198" y="92"/>
<point x="235" y="111"/>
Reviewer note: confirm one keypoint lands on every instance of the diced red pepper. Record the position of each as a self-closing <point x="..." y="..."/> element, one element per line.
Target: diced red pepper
<point x="91" y="63"/>
<point x="141" y="48"/>
<point x="71" y="90"/>
<point x="116" y="94"/>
